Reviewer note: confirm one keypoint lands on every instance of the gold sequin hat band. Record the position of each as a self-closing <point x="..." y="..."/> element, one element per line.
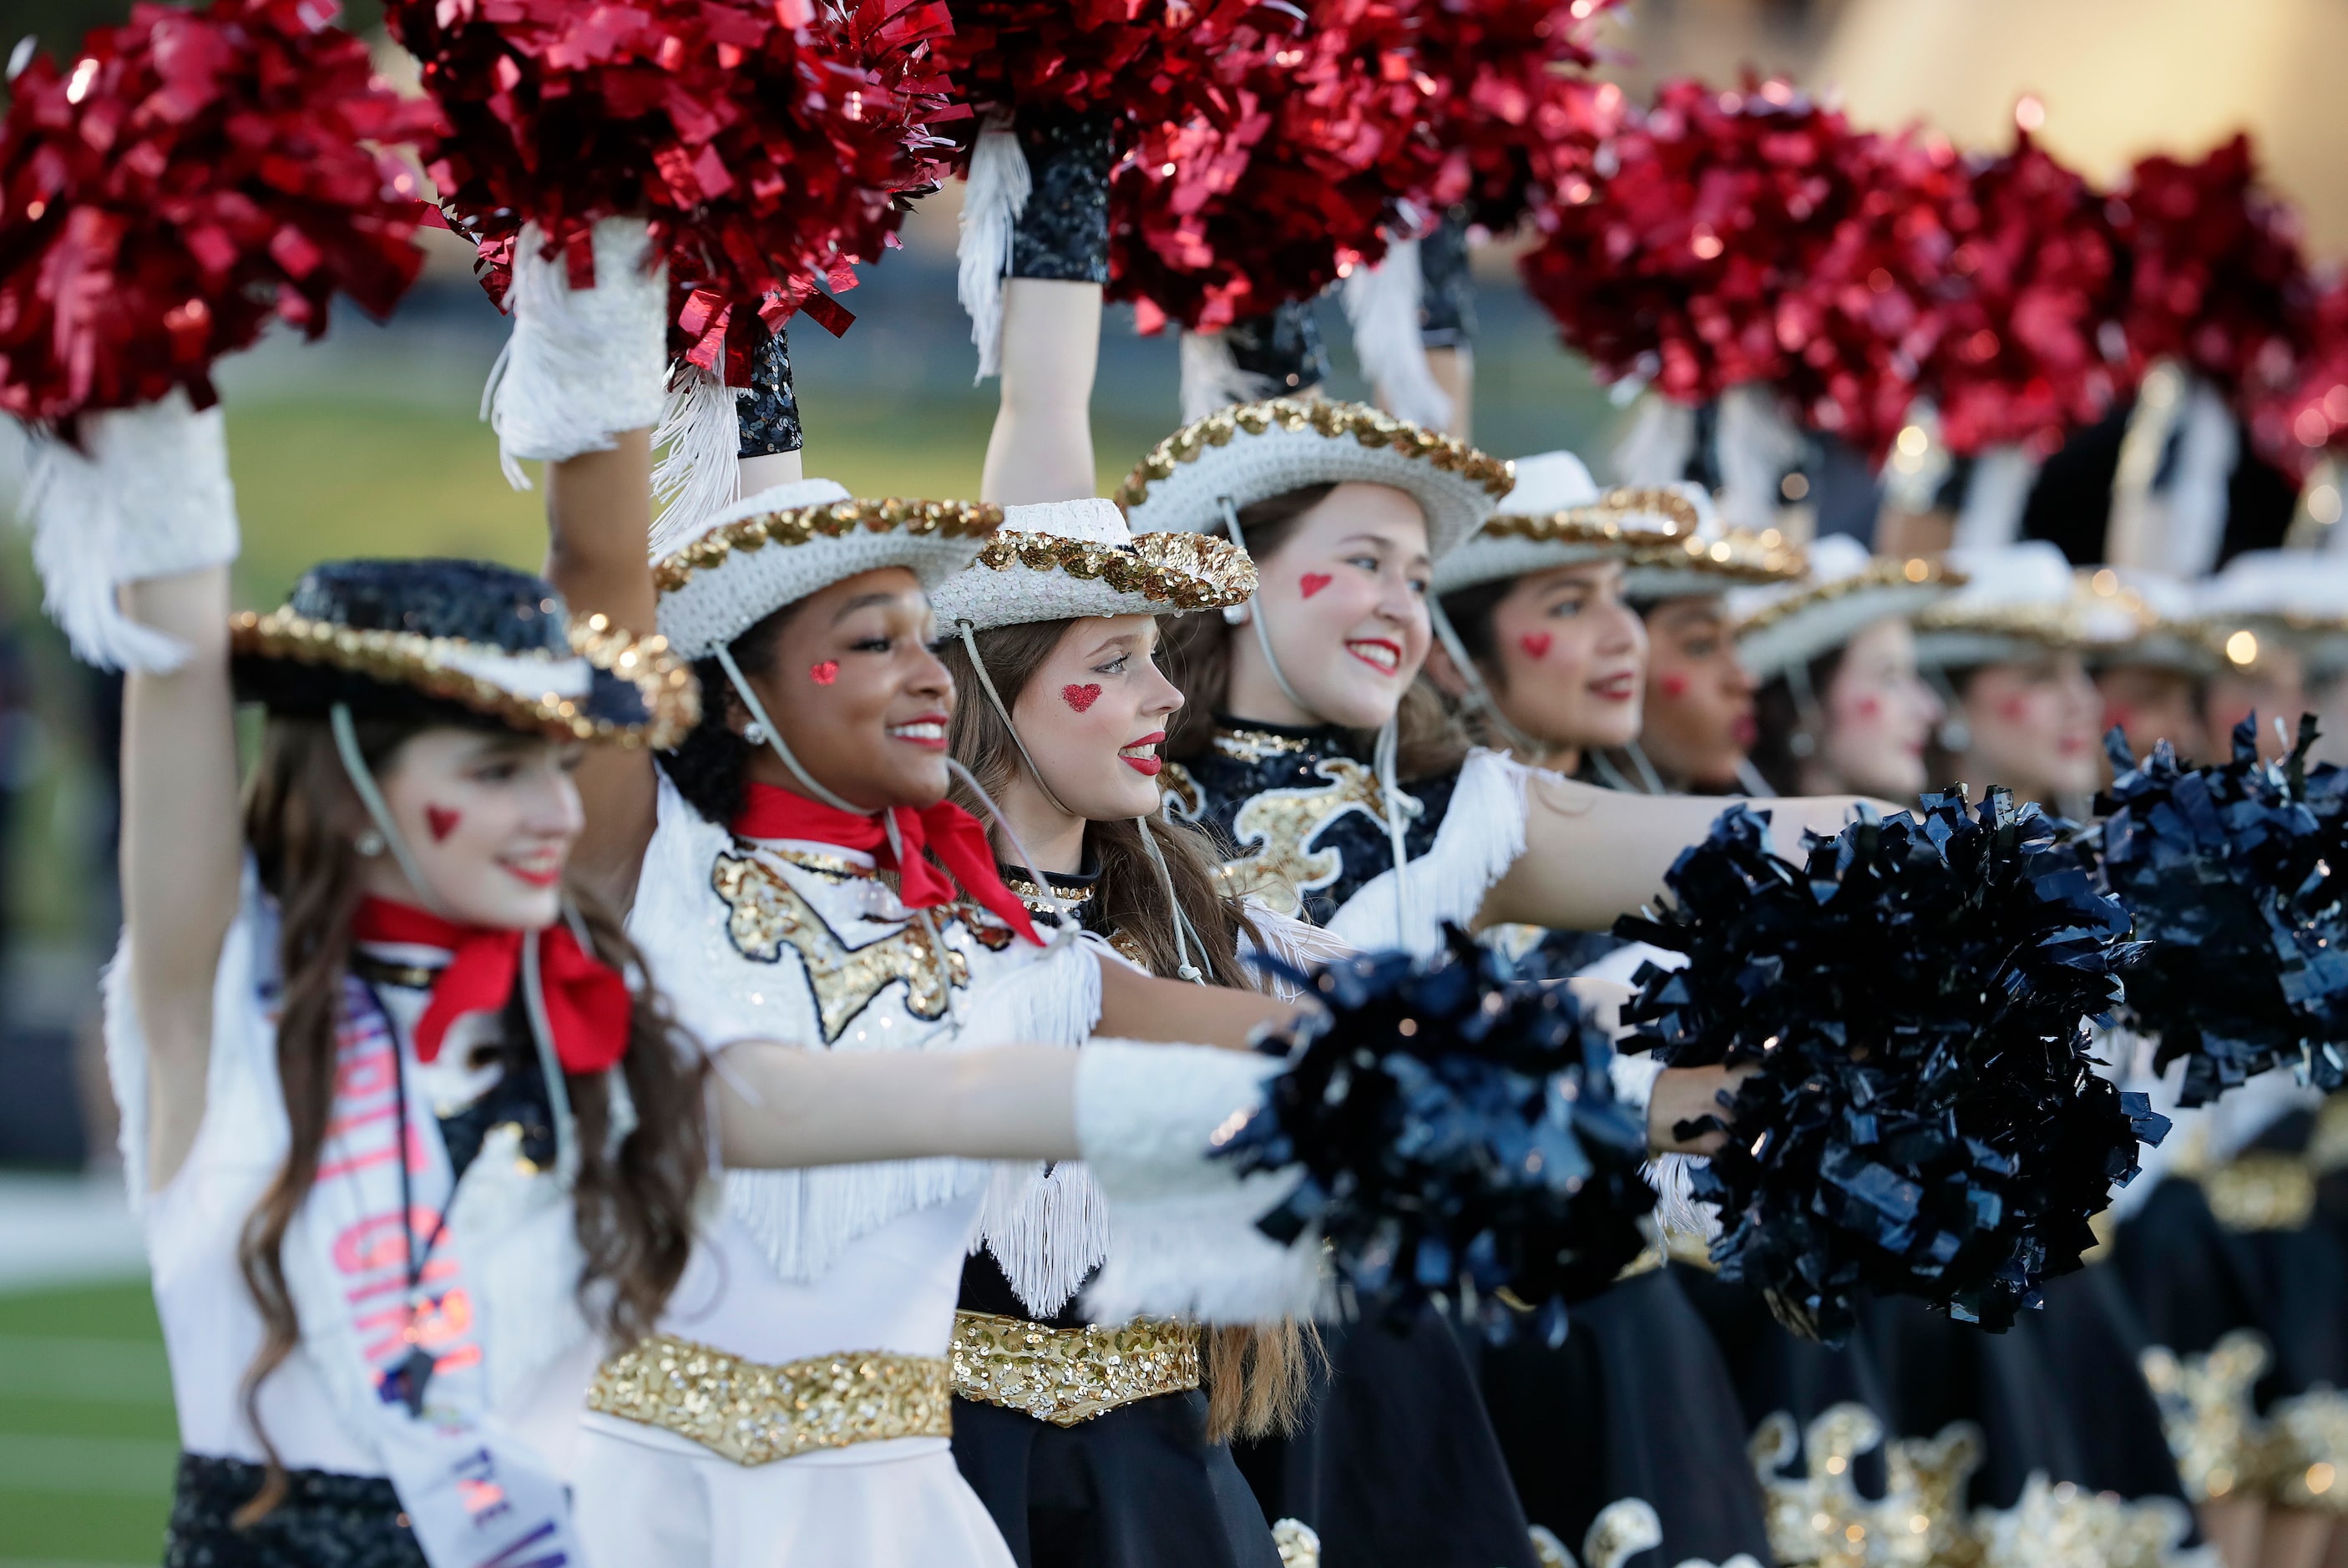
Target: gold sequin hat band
<point x="401" y="638"/>
<point x="1257" y="450"/>
<point x="1061" y="559"/>
<point x="1556" y="516"/>
<point x="777" y="547"/>
<point x="2021" y="601"/>
<point x="1712" y="560"/>
<point x="1847" y="591"/>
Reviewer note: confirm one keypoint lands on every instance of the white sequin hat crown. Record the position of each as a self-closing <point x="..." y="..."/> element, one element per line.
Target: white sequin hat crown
<point x="2291" y="595"/>
<point x="1063" y="558"/>
<point x="2141" y="617"/>
<point x="1710" y="558"/>
<point x="1257" y="450"/>
<point x="724" y="576"/>
<point x="1847" y="591"/>
<point x="1556" y="516"/>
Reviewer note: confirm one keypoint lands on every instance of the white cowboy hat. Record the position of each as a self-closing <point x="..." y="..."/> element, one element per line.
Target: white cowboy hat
<point x="1556" y="516"/>
<point x="1257" y="450"/>
<point x="774" y="548"/>
<point x="2021" y="599"/>
<point x="1070" y="558"/>
<point x="1847" y="591"/>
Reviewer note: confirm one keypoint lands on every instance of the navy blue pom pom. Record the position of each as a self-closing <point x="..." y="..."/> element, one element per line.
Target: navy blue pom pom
<point x="1923" y="1117"/>
<point x="1460" y="1137"/>
<point x="2233" y="874"/>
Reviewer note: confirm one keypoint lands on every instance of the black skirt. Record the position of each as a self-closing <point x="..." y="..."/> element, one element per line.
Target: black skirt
<point x="1136" y="1487"/>
<point x="326" y="1521"/>
<point x="1636" y="1403"/>
<point x="1396" y="1466"/>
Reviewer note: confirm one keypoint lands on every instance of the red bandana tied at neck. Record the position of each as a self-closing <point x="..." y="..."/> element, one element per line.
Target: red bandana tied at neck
<point x="945" y="830"/>
<point x="588" y="1008"/>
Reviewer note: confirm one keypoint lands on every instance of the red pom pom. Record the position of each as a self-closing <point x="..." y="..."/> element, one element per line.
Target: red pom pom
<point x="2219" y="279"/>
<point x="187" y="176"/>
<point x="769" y="155"/>
<point x="1689" y="255"/>
<point x="1323" y="146"/>
<point x="1151" y="60"/>
<point x="2295" y="425"/>
<point x="2032" y="344"/>
<point x="1515" y="111"/>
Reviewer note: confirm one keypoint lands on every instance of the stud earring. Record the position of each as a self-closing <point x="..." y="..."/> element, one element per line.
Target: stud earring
<point x="754" y="733"/>
<point x="1235" y="614"/>
<point x="1956" y="735"/>
<point x="1801" y="743"/>
<point x="369" y="843"/>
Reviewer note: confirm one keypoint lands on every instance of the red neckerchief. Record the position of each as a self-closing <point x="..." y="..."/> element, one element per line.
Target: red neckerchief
<point x="945" y="830"/>
<point x="588" y="1008"/>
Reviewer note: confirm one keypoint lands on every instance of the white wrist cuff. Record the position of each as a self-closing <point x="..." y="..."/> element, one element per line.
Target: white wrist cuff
<point x="1183" y="1239"/>
<point x="581" y="364"/>
<point x="147" y="494"/>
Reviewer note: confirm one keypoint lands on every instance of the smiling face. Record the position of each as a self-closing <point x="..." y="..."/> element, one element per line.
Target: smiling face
<point x="859" y="697"/>
<point x="1570" y="656"/>
<point x="1879" y="716"/>
<point x="491" y="817"/>
<point x="2033" y="729"/>
<point x="1699" y="712"/>
<point x="1093" y="713"/>
<point x="1344" y="600"/>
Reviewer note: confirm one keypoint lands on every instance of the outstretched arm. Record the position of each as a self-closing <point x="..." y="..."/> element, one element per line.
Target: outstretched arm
<point x="1594" y="854"/>
<point x="1136" y="1006"/>
<point x="821" y="1107"/>
<point x="182" y="847"/>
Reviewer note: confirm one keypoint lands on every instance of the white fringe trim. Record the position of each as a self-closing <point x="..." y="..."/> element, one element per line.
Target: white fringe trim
<point x="992" y="199"/>
<point x="1383" y="305"/>
<point x="1990" y="516"/>
<point x="148" y="496"/>
<point x="580" y="365"/>
<point x="1211" y="379"/>
<point x="1757" y="444"/>
<point x="1048" y="1227"/>
<point x="1482" y="834"/>
<point x="1661" y="442"/>
<point x="698" y="473"/>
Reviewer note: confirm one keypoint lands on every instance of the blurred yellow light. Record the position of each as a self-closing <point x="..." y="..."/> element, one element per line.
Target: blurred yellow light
<point x="2319" y="1478"/>
<point x="2106" y="581"/>
<point x="1795" y="486"/>
<point x="2242" y="649"/>
<point x="1913" y="440"/>
<point x="1917" y="571"/>
<point x="2029" y="113"/>
<point x="2323" y="504"/>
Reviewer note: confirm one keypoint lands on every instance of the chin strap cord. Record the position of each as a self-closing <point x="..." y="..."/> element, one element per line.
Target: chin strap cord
<point x="378" y="810"/>
<point x="1184" y="935"/>
<point x="1061" y="907"/>
<point x="1383" y="762"/>
<point x="1254" y="610"/>
<point x="1478" y="697"/>
<point x="550" y="1065"/>
<point x="775" y="740"/>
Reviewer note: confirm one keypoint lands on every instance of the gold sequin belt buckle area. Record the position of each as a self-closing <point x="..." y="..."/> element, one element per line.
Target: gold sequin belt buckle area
<point x="1068" y="1375"/>
<point x="754" y="1414"/>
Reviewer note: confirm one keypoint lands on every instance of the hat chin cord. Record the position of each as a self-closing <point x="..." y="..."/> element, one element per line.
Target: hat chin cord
<point x="1478" y="697"/>
<point x="1382" y="762"/>
<point x="550" y="1063"/>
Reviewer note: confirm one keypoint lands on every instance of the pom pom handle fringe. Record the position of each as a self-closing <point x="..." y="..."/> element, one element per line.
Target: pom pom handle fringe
<point x="582" y="364"/>
<point x="1213" y="380"/>
<point x="698" y="472"/>
<point x="991" y="205"/>
<point x="1383" y="305"/>
<point x="147" y="495"/>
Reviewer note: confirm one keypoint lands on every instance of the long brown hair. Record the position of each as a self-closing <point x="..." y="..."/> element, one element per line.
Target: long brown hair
<point x="633" y="1206"/>
<point x="1199" y="660"/>
<point x="1257" y="1378"/>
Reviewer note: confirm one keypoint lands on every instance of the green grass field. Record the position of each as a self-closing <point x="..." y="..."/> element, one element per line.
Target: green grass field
<point x="86" y="1437"/>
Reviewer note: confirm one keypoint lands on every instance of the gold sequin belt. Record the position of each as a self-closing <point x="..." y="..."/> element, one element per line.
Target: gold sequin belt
<point x="1065" y="1375"/>
<point x="754" y="1414"/>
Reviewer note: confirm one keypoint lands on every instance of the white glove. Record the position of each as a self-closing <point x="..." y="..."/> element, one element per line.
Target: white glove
<point x="583" y="364"/>
<point x="1183" y="1234"/>
<point x="146" y="495"/>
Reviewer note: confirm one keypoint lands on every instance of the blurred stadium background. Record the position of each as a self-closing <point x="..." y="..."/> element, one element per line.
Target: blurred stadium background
<point x="369" y="443"/>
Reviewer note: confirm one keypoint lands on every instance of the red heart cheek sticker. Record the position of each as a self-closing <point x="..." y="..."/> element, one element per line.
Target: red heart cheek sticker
<point x="1080" y="697"/>
<point x="1535" y="643"/>
<point x="1674" y="685"/>
<point x="825" y="673"/>
<point x="441" y="820"/>
<point x="1312" y="583"/>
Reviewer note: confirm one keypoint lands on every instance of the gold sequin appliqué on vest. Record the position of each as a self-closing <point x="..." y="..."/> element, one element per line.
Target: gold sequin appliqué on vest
<point x="1275" y="829"/>
<point x="768" y="914"/>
